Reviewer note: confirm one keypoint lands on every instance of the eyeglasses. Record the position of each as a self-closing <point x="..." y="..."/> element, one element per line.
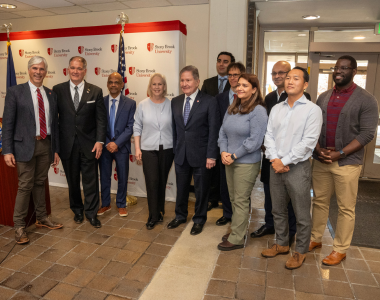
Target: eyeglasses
<point x="341" y="68"/>
<point x="279" y="73"/>
<point x="233" y="75"/>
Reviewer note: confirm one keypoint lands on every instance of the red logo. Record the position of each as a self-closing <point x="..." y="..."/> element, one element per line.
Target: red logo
<point x="115" y="176"/>
<point x="150" y="46"/>
<point x="65" y="71"/>
<point x="50" y="51"/>
<point x="80" y="49"/>
<point x="132" y="157"/>
<point x="132" y="70"/>
<point x="114" y="48"/>
<point x="56" y="170"/>
<point x="21" y="52"/>
<point x="97" y="71"/>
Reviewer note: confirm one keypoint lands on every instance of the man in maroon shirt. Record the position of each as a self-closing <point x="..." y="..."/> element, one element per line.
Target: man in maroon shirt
<point x="350" y="116"/>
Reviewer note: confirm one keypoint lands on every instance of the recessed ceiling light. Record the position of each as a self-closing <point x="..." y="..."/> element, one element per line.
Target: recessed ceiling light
<point x="302" y="34"/>
<point x="359" y="37"/>
<point x="310" y="17"/>
<point x="4" y="5"/>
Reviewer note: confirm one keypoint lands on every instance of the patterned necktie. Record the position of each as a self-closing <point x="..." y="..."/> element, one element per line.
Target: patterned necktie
<point x="41" y="108"/>
<point x="186" y="113"/>
<point x="221" y="84"/>
<point x="112" y="118"/>
<point x="76" y="98"/>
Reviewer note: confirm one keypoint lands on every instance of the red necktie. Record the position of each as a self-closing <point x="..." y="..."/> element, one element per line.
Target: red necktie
<point x="235" y="96"/>
<point x="41" y="108"/>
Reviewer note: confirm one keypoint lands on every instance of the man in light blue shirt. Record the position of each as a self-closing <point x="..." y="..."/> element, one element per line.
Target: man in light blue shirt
<point x="292" y="133"/>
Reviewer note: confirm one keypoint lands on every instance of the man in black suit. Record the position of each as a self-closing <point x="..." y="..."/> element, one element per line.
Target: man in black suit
<point x="31" y="143"/>
<point x="214" y="86"/>
<point x="279" y="72"/>
<point x="224" y="100"/>
<point x="82" y="127"/>
<point x="195" y="134"/>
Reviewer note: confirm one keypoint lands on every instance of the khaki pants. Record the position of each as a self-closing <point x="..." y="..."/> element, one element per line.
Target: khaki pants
<point x="344" y="180"/>
<point x="240" y="180"/>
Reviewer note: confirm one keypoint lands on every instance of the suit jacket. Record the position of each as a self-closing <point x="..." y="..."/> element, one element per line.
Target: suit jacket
<point x="271" y="101"/>
<point x="197" y="140"/>
<point x="19" y="123"/>
<point x="223" y="101"/>
<point x="123" y="123"/>
<point x="211" y="86"/>
<point x="89" y="122"/>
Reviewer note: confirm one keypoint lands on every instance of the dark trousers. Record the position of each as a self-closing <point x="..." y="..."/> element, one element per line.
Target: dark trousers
<point x="201" y="185"/>
<point x="269" y="216"/>
<point x="122" y="169"/>
<point x="214" y="191"/>
<point x="76" y="164"/>
<point x="156" y="167"/>
<point x="31" y="179"/>
<point x="224" y="195"/>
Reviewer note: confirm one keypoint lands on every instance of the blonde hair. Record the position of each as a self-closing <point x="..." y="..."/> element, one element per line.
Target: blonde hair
<point x="149" y="91"/>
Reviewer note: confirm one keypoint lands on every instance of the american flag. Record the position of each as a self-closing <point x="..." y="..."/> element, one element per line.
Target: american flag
<point x="121" y="66"/>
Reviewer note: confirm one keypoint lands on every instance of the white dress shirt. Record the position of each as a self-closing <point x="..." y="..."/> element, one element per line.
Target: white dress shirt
<point x="33" y="90"/>
<point x="110" y="104"/>
<point x="192" y="99"/>
<point x="80" y="90"/>
<point x="293" y="132"/>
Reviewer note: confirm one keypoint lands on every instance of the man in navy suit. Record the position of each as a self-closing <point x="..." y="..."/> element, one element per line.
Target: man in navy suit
<point x="224" y="100"/>
<point x="120" y="115"/>
<point x="195" y="135"/>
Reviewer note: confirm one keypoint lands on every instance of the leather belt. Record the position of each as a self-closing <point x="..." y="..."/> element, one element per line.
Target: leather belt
<point x="38" y="138"/>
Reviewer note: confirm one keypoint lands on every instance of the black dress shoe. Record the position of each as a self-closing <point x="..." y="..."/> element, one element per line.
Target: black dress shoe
<point x="150" y="225"/>
<point x="211" y="205"/>
<point x="160" y="218"/>
<point x="78" y="218"/>
<point x="223" y="221"/>
<point x="95" y="222"/>
<point x="175" y="223"/>
<point x="263" y="230"/>
<point x="197" y="229"/>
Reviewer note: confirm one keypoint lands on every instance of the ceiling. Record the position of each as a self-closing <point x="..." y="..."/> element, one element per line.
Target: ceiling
<point x="38" y="8"/>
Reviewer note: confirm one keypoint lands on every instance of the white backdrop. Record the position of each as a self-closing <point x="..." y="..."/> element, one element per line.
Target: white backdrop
<point x="149" y="47"/>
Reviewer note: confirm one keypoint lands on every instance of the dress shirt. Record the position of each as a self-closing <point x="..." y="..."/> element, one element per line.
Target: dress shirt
<point x="279" y="95"/>
<point x="110" y="98"/>
<point x="231" y="96"/>
<point x="293" y="132"/>
<point x="224" y="81"/>
<point x="33" y="90"/>
<point x="80" y="90"/>
<point x="192" y="99"/>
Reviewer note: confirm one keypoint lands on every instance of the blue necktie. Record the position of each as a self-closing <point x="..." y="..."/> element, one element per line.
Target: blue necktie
<point x="112" y="118"/>
<point x="186" y="113"/>
<point x="221" y="85"/>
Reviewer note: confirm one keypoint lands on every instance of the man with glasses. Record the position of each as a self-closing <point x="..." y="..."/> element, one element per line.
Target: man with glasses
<point x="225" y="99"/>
<point x="279" y="71"/>
<point x="350" y="117"/>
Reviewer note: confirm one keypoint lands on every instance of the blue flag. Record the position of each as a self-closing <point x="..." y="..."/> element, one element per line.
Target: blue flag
<point x="11" y="75"/>
<point x="121" y="65"/>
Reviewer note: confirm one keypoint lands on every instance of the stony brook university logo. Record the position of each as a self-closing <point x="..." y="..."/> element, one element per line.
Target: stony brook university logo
<point x="80" y="49"/>
<point x="97" y="71"/>
<point x="132" y="157"/>
<point x="21" y="52"/>
<point x="65" y="71"/>
<point x="132" y="70"/>
<point x="150" y="46"/>
<point x="114" y="48"/>
<point x="50" y="51"/>
<point x="56" y="170"/>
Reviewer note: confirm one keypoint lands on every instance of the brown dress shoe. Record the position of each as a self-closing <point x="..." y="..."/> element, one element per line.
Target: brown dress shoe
<point x="334" y="258"/>
<point x="227" y="246"/>
<point x="275" y="250"/>
<point x="103" y="209"/>
<point x="123" y="212"/>
<point x="48" y="224"/>
<point x="20" y="236"/>
<point x="295" y="261"/>
<point x="225" y="237"/>
<point x="314" y="245"/>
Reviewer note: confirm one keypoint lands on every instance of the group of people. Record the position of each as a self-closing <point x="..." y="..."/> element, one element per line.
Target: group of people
<point x="215" y="135"/>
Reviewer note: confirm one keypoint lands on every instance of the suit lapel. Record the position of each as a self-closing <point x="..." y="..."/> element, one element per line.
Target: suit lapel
<point x="51" y="107"/>
<point x="196" y="104"/>
<point x="181" y="108"/>
<point x="29" y="98"/>
<point x="119" y="109"/>
<point x="85" y="95"/>
<point x="107" y="105"/>
<point x="68" y="96"/>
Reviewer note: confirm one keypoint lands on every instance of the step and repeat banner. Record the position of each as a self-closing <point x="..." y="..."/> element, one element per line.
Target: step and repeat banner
<point x="158" y="47"/>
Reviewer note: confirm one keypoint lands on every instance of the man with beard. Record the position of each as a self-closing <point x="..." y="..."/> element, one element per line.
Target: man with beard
<point x="350" y="116"/>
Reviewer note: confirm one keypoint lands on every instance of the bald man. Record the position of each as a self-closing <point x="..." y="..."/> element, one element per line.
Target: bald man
<point x="279" y="72"/>
<point x="120" y="116"/>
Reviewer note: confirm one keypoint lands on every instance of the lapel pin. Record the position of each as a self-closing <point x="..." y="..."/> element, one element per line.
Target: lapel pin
<point x="49" y="93"/>
<point x="197" y="100"/>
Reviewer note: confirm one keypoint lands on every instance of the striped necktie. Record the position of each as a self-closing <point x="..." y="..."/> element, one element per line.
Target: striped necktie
<point x="41" y="109"/>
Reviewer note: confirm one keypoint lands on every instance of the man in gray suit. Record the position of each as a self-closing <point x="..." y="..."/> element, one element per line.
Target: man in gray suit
<point x="30" y="143"/>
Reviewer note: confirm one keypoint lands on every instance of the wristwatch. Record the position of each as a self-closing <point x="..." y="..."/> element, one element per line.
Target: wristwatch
<point x="342" y="154"/>
<point x="233" y="157"/>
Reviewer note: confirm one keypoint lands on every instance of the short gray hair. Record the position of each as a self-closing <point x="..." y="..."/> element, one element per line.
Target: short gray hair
<point x="81" y="59"/>
<point x="194" y="71"/>
<point x="36" y="60"/>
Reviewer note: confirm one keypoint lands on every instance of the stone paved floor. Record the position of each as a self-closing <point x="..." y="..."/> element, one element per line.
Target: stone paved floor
<point x="119" y="260"/>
